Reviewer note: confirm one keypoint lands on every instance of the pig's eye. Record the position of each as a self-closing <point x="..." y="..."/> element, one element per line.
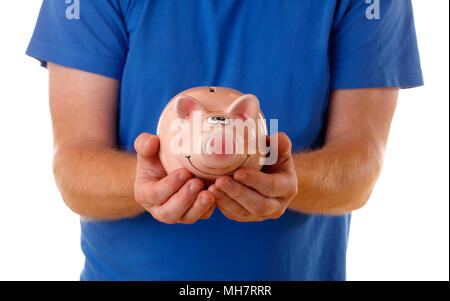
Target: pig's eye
<point x="214" y="120"/>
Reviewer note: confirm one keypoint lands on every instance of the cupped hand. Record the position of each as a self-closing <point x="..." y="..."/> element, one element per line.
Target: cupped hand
<point x="170" y="198"/>
<point x="252" y="195"/>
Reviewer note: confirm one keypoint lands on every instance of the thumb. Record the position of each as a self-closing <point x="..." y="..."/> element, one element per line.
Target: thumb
<point x="283" y="153"/>
<point x="146" y="145"/>
<point x="148" y="163"/>
<point x="284" y="144"/>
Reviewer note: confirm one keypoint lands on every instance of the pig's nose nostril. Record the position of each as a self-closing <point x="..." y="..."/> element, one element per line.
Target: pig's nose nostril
<point x="212" y="89"/>
<point x="211" y="143"/>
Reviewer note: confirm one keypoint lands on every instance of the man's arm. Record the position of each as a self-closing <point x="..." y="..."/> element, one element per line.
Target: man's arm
<point x="95" y="179"/>
<point x="98" y="181"/>
<point x="335" y="179"/>
<point x="339" y="177"/>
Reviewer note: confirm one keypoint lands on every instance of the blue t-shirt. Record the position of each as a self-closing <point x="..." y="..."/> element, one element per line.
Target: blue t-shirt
<point x="290" y="54"/>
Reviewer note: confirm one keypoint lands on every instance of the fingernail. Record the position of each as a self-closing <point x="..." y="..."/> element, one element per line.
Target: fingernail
<point x="242" y="176"/>
<point x="205" y="201"/>
<point x="194" y="188"/>
<point x="218" y="194"/>
<point x="182" y="176"/>
<point x="228" y="183"/>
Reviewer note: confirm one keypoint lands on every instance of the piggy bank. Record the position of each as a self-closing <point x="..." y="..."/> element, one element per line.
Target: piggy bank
<point x="212" y="131"/>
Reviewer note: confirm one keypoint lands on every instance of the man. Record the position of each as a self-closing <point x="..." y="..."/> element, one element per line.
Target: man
<point x="329" y="71"/>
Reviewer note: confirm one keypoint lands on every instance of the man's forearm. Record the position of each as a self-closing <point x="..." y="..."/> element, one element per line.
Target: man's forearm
<point x="96" y="181"/>
<point x="337" y="178"/>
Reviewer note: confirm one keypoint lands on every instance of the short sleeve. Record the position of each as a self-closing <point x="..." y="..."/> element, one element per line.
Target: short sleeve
<point x="373" y="44"/>
<point x="89" y="35"/>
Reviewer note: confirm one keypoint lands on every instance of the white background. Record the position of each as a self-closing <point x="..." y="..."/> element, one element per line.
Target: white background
<point x="401" y="234"/>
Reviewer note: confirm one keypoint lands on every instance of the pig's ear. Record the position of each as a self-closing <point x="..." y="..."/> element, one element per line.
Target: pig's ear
<point x="246" y="106"/>
<point x="185" y="105"/>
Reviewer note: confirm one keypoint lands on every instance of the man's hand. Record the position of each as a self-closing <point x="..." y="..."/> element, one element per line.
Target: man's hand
<point x="172" y="198"/>
<point x="253" y="195"/>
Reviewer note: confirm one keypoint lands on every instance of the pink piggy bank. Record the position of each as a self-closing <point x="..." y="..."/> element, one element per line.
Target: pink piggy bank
<point x="212" y="131"/>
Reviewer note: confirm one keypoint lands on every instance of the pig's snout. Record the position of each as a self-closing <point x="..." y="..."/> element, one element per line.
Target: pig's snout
<point x="219" y="144"/>
<point x="218" y="149"/>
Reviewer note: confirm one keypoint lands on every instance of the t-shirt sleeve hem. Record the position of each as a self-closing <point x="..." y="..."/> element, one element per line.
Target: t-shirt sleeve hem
<point x="45" y="52"/>
<point x="378" y="78"/>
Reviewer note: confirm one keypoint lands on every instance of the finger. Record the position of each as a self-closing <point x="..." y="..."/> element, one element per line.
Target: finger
<point x="231" y="216"/>
<point x="201" y="206"/>
<point x="177" y="205"/>
<point x="148" y="163"/>
<point x="270" y="185"/>
<point x="284" y="144"/>
<point x="208" y="213"/>
<point x="248" y="217"/>
<point x="248" y="198"/>
<point x="151" y="193"/>
<point x="251" y="200"/>
<point x="225" y="203"/>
